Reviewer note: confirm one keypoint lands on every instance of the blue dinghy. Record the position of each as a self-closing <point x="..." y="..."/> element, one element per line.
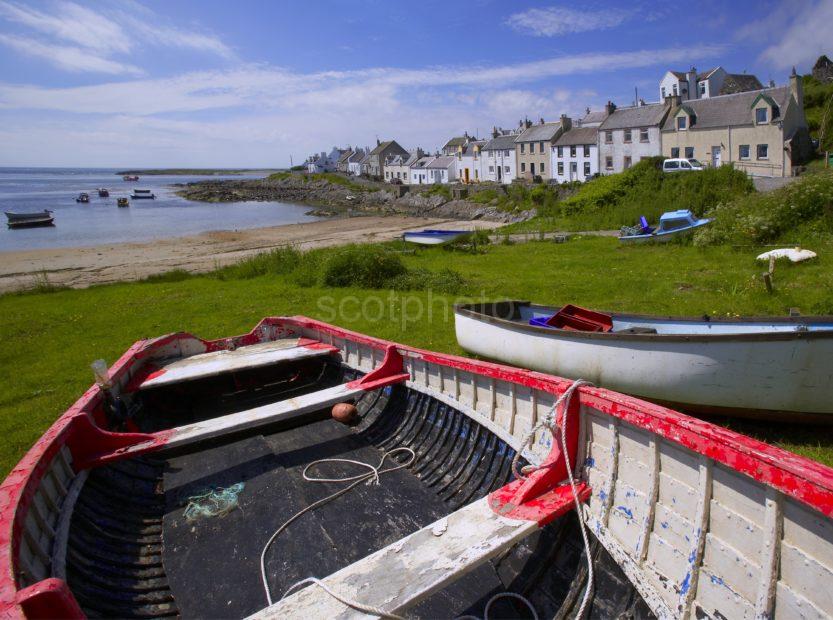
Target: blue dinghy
<point x="434" y="237"/>
<point x="672" y="224"/>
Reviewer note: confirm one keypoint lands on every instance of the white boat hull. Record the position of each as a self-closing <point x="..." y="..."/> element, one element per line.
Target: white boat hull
<point x="726" y="375"/>
<point x="426" y="239"/>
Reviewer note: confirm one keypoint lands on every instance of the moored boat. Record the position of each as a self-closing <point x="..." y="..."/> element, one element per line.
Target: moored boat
<point x="141" y="194"/>
<point x="434" y="237"/>
<point x="29" y="220"/>
<point x="777" y="367"/>
<point x="672" y="225"/>
<point x="156" y="493"/>
<point x="130" y="177"/>
<point x="83" y="197"/>
<point x="103" y="192"/>
<point x="123" y="202"/>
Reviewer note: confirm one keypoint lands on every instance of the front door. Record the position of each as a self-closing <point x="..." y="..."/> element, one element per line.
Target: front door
<point x="573" y="171"/>
<point x="715" y="156"/>
<point x="499" y="173"/>
<point x="532" y="170"/>
<point x="465" y="175"/>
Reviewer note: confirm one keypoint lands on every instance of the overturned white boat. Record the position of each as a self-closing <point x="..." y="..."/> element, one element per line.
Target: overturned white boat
<point x="747" y="366"/>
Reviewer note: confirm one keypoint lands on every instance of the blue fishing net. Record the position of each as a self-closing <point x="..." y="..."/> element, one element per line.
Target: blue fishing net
<point x="213" y="502"/>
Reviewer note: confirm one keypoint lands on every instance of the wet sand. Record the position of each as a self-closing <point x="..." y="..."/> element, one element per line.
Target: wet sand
<point x="84" y="266"/>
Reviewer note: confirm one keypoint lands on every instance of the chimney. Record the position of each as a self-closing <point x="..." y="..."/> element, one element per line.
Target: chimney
<point x="378" y="142"/>
<point x="797" y="89"/>
<point x="673" y="100"/>
<point x="527" y="123"/>
<point x="587" y="110"/>
<point x="566" y="123"/>
<point x="541" y="121"/>
<point x="610" y="107"/>
<point x="495" y="133"/>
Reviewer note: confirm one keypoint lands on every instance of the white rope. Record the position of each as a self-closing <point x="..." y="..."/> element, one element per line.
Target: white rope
<point x="368" y="609"/>
<point x="497" y="597"/>
<point x="371" y="477"/>
<point x="550" y="423"/>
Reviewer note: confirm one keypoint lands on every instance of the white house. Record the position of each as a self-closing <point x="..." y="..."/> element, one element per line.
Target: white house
<point x="442" y="169"/>
<point x="468" y="158"/>
<point x="399" y="166"/>
<point x="575" y="155"/>
<point x="324" y="162"/>
<point x="354" y="162"/>
<point x="419" y="173"/>
<point x="629" y="134"/>
<point x="498" y="163"/>
<point x="712" y="83"/>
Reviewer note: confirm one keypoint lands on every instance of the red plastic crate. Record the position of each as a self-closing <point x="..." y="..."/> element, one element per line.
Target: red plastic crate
<point x="576" y="318"/>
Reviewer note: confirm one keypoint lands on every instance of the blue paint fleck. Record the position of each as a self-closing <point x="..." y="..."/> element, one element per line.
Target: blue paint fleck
<point x="686" y="584"/>
<point x="602" y="495"/>
<point x="590" y="461"/>
<point x="717" y="580"/>
<point x="692" y="556"/>
<point x="664" y="524"/>
<point x="625" y="510"/>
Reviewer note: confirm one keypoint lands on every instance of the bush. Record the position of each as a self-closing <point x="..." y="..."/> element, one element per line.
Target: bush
<point x="804" y="207"/>
<point x="366" y="266"/>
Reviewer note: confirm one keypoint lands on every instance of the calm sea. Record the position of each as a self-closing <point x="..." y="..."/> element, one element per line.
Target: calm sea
<point x="101" y="221"/>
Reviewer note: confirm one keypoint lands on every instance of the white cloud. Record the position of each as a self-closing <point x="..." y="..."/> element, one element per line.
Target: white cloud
<point x="81" y="39"/>
<point x="65" y="57"/>
<point x="798" y="29"/>
<point x="553" y="21"/>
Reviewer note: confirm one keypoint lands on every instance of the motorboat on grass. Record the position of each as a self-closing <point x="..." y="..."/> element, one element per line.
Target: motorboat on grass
<point x="672" y="225"/>
<point x="777" y="367"/>
<point x="29" y="220"/>
<point x="434" y="237"/>
<point x="214" y="478"/>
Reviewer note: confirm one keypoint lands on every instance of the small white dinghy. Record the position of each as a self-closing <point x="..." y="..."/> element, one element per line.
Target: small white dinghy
<point x="434" y="237"/>
<point x="751" y="367"/>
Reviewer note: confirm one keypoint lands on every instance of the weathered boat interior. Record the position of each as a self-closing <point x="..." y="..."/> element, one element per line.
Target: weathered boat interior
<point x="684" y="518"/>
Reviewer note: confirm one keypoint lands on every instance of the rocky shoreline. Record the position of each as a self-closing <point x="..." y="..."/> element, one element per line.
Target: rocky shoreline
<point x="356" y="197"/>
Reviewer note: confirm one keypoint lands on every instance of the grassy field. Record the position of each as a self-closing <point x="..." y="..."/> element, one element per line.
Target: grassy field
<point x="50" y="339"/>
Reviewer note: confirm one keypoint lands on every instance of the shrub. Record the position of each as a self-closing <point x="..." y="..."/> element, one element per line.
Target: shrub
<point x="366" y="266"/>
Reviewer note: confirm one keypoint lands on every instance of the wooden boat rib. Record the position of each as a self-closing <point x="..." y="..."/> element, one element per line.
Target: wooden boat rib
<point x="685" y="518"/>
<point x="753" y="367"/>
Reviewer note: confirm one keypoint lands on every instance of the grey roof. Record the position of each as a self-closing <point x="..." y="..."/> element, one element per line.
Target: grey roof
<point x="456" y="141"/>
<point x="728" y="110"/>
<point x="647" y="115"/>
<point x="705" y="74"/>
<point x="596" y="116"/>
<point x="539" y="132"/>
<point x="365" y="159"/>
<point x="739" y="83"/>
<point x="384" y="145"/>
<point x="444" y="161"/>
<point x="579" y="135"/>
<point x="468" y="150"/>
<point x="422" y="162"/>
<point x="345" y="155"/>
<point x="501" y="143"/>
<point x="680" y="74"/>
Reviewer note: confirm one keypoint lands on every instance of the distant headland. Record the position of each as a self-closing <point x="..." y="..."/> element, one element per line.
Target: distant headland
<point x="198" y="171"/>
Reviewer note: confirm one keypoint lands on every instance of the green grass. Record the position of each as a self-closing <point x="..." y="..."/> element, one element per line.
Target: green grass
<point x="817" y="96"/>
<point x="329" y="177"/>
<point x="612" y="201"/>
<point x="49" y="340"/>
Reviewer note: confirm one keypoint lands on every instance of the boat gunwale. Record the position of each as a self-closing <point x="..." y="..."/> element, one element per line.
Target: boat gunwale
<point x="471" y="311"/>
<point x="807" y="481"/>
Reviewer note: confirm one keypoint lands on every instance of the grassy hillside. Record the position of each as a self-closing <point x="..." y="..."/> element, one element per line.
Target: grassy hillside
<point x="817" y="98"/>
<point x="612" y="201"/>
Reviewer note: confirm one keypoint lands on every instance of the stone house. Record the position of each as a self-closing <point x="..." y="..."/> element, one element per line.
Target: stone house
<point x="575" y="155"/>
<point x="762" y="132"/>
<point x="383" y="150"/>
<point x="630" y="133"/>
<point x="399" y="166"/>
<point x="499" y="163"/>
<point x="533" y="147"/>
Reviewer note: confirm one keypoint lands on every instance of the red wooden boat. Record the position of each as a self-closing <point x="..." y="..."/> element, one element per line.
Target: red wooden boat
<point x="197" y="478"/>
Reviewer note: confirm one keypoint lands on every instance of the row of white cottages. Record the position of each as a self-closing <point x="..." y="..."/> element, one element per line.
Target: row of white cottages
<point x="762" y="131"/>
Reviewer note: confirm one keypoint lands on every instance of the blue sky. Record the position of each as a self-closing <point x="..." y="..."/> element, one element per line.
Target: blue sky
<point x="212" y="83"/>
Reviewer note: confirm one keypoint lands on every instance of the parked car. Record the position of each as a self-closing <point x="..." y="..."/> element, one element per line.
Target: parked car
<point x="680" y="164"/>
<point x="396" y="181"/>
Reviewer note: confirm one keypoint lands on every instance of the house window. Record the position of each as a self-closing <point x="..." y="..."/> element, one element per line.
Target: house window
<point x="522" y="148"/>
<point x="542" y="168"/>
<point x="689" y="152"/>
<point x="743" y="151"/>
<point x="561" y="151"/>
<point x="523" y="167"/>
<point x="560" y="168"/>
<point x="405" y="176"/>
<point x="776" y="112"/>
<point x="763" y="151"/>
<point x="627" y="135"/>
<point x="674" y="89"/>
<point x="572" y="151"/>
<point x="586" y="169"/>
<point x="531" y="147"/>
<point x="506" y="168"/>
<point x="663" y="92"/>
<point x="760" y="115"/>
<point x="675" y="152"/>
<point x="608" y="163"/>
<point x="627" y="162"/>
<point x="587" y="150"/>
<point x="702" y="89"/>
<point x="491" y="168"/>
<point x="476" y="175"/>
<point x="681" y="122"/>
<point x="608" y="137"/>
<point x="643" y="135"/>
<point x="506" y="153"/>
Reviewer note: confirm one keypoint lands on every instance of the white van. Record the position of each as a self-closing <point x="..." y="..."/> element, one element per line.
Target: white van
<point x="679" y="164"/>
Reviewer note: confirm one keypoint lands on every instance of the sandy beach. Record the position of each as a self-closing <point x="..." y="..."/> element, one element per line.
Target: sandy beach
<point x="80" y="267"/>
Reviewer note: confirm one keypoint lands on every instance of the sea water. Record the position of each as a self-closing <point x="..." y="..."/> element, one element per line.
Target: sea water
<point x="101" y="221"/>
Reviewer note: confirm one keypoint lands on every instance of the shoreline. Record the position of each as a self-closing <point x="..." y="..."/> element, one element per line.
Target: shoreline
<point x="80" y="267"/>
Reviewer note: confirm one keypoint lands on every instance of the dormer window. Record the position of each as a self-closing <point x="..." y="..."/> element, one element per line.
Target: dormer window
<point x="776" y="112"/>
<point x="702" y="89"/>
<point x="760" y="116"/>
<point x="681" y="122"/>
<point x="674" y="89"/>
